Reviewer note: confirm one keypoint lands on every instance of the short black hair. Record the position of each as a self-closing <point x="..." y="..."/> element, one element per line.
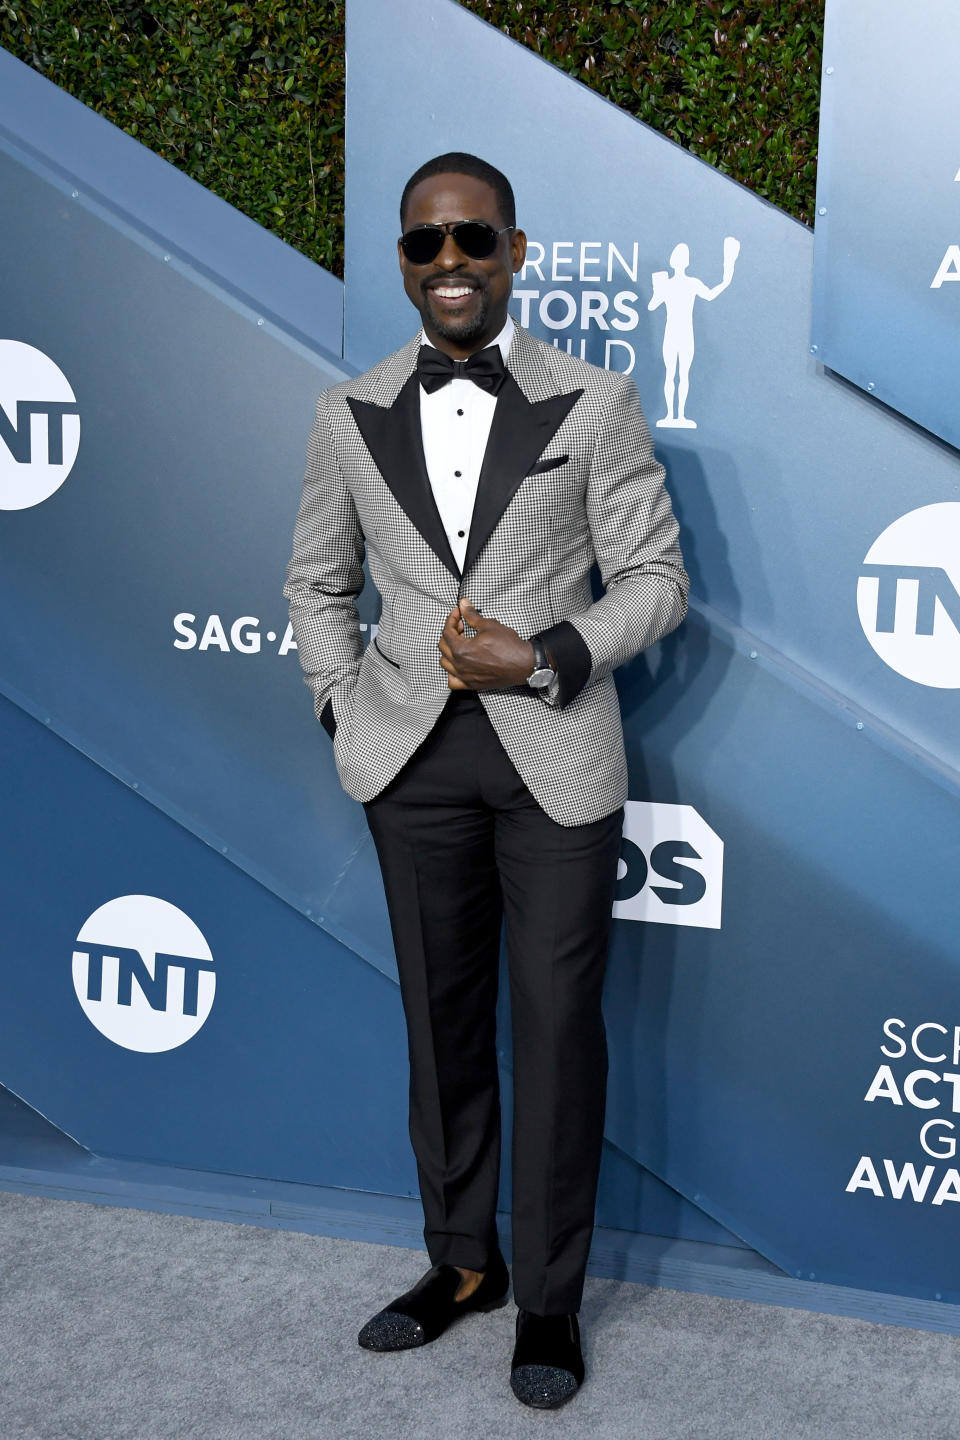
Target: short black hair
<point x="456" y="162"/>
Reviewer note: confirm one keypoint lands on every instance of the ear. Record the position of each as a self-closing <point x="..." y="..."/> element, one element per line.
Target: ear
<point x="518" y="250"/>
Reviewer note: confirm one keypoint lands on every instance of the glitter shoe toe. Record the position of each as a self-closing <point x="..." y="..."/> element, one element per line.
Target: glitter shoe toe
<point x="389" y="1330"/>
<point x="547" y="1366"/>
<point x="542" y="1386"/>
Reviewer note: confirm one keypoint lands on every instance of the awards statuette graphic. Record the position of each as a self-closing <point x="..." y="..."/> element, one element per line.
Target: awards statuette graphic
<point x="678" y="293"/>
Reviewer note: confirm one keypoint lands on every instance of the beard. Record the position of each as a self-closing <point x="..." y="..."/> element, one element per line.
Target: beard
<point x="459" y="332"/>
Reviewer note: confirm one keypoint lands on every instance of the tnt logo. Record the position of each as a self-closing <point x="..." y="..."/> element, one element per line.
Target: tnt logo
<point x="143" y="973"/>
<point x="908" y="595"/>
<point x="671" y="867"/>
<point x="39" y="426"/>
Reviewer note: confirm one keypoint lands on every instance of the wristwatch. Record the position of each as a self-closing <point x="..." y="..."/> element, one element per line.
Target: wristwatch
<point x="543" y="672"/>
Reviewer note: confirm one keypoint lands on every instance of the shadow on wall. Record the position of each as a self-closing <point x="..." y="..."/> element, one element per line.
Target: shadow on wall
<point x="672" y="685"/>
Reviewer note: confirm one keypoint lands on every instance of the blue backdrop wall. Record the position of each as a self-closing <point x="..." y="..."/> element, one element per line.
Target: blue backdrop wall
<point x="886" y="310"/>
<point x="783" y="997"/>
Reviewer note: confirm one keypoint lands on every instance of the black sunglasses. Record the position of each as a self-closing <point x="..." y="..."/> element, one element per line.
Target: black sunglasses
<point x="474" y="238"/>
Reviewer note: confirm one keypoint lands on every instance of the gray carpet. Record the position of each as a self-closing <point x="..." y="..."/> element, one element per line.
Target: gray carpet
<point x="123" y="1325"/>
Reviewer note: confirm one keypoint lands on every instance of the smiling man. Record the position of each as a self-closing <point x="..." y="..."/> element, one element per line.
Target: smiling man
<point x="484" y="473"/>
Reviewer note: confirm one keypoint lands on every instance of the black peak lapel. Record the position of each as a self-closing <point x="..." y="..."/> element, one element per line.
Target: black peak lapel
<point x="520" y="432"/>
<point x="392" y="435"/>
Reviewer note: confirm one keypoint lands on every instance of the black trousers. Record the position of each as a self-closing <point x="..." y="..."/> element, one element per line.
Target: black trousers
<point x="464" y="846"/>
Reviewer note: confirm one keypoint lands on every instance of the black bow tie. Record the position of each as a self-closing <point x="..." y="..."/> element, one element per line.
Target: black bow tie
<point x="485" y="369"/>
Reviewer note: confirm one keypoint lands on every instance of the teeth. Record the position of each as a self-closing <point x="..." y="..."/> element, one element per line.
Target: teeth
<point x="451" y="293"/>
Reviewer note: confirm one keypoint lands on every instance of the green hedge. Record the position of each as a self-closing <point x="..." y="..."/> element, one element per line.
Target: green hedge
<point x="249" y="99"/>
<point x="738" y="85"/>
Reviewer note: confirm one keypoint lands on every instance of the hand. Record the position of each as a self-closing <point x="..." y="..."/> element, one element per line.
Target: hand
<point x="493" y="658"/>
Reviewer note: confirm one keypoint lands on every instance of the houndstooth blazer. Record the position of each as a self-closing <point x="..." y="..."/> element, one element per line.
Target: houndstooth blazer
<point x="568" y="478"/>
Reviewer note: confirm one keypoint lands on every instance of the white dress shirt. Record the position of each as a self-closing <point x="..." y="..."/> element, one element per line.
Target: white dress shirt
<point x="455" y="423"/>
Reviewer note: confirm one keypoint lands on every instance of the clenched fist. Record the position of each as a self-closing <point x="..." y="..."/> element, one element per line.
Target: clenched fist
<point x="491" y="659"/>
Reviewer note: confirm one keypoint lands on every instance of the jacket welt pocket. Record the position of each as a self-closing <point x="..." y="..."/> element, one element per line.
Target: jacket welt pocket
<point x="386" y="657"/>
<point x="543" y="465"/>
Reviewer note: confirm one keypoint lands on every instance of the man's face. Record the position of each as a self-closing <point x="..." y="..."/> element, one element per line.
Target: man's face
<point x="457" y="322"/>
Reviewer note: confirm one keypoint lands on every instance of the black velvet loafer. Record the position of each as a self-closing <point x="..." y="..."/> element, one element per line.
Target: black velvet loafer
<point x="423" y="1313"/>
<point x="547" y="1367"/>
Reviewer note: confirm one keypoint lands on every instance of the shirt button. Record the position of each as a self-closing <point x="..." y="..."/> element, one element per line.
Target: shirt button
<point x="459" y="412"/>
<point x="461" y="533"/>
<point x="457" y="473"/>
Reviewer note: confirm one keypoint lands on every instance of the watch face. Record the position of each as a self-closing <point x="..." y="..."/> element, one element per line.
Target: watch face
<point x="540" y="678"/>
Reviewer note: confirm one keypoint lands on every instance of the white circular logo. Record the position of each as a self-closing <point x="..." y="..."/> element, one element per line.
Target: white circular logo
<point x="143" y="973"/>
<point x="908" y="595"/>
<point x="39" y="426"/>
